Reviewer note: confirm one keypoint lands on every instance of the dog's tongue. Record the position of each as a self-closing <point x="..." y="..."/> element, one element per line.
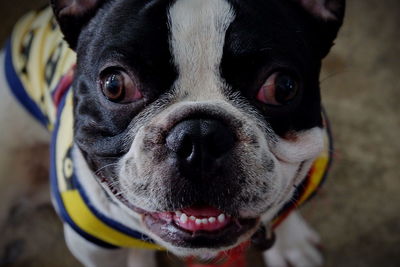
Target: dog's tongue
<point x="202" y="211"/>
<point x="201" y="218"/>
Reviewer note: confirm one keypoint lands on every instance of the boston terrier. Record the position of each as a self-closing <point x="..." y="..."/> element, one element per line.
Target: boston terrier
<point x="193" y="126"/>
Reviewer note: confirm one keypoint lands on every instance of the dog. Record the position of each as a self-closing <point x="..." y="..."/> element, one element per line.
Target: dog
<point x="185" y="125"/>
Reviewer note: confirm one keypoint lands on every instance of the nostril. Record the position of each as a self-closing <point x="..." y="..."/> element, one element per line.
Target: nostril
<point x="220" y="143"/>
<point x="200" y="142"/>
<point x="186" y="148"/>
<point x="181" y="138"/>
<point x="181" y="141"/>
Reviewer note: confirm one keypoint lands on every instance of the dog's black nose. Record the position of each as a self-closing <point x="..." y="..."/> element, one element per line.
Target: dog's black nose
<point x="200" y="144"/>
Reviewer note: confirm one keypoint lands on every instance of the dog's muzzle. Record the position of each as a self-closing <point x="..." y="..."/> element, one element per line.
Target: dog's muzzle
<point x="199" y="147"/>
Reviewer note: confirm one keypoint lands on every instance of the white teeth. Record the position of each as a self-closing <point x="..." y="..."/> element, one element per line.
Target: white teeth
<point x="221" y="218"/>
<point x="183" y="218"/>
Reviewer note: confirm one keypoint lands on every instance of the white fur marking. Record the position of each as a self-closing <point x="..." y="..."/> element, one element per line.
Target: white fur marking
<point x="198" y="30"/>
<point x="307" y="145"/>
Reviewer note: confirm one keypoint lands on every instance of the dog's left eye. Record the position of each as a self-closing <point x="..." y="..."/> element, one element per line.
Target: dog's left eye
<point x="117" y="86"/>
<point x="278" y="89"/>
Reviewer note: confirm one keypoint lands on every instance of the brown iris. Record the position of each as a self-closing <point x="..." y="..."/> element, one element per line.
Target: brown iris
<point x="278" y="89"/>
<point x="117" y="86"/>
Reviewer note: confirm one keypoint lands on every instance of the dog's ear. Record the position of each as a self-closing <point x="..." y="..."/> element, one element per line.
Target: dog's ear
<point x="73" y="15"/>
<point x="328" y="16"/>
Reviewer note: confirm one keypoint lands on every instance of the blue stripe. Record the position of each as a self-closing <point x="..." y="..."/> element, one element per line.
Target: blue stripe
<point x="18" y="89"/>
<point x="108" y="221"/>
<point x="62" y="212"/>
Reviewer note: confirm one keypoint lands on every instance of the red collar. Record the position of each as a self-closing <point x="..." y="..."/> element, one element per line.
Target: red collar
<point x="235" y="257"/>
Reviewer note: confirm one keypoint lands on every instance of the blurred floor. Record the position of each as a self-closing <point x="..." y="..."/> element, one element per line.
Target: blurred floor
<point x="357" y="212"/>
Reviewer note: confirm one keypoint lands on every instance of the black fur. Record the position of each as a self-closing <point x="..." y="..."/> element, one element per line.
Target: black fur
<point x="266" y="36"/>
<point x="269" y="36"/>
<point x="131" y="34"/>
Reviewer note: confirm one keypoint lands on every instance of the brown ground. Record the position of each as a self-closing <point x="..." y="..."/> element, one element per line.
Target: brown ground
<point x="357" y="213"/>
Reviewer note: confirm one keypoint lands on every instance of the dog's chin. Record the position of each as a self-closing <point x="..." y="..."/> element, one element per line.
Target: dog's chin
<point x="199" y="229"/>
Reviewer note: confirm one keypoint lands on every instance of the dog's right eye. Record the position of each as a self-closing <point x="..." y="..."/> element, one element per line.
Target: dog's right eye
<point x="279" y="89"/>
<point x="117" y="86"/>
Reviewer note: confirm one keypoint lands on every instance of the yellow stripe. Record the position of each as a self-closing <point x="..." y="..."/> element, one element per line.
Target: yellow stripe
<point x="75" y="206"/>
<point x="46" y="41"/>
<point x="89" y="223"/>
<point x="64" y="139"/>
<point x="319" y="168"/>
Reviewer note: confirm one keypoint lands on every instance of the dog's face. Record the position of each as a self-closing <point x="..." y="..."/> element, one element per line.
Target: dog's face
<point x="200" y="115"/>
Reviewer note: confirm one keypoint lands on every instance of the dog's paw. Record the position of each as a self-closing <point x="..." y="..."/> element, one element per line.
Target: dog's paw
<point x="296" y="245"/>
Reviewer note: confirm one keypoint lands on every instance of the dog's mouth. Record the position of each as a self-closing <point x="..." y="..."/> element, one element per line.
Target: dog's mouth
<point x="199" y="227"/>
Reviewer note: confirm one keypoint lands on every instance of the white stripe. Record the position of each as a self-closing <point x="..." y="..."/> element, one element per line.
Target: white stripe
<point x="198" y="30"/>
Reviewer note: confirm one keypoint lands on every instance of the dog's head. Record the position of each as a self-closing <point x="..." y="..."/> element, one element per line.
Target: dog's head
<point x="200" y="115"/>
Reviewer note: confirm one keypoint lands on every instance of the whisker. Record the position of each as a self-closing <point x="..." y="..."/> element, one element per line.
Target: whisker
<point x="333" y="74"/>
<point x="106" y="166"/>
